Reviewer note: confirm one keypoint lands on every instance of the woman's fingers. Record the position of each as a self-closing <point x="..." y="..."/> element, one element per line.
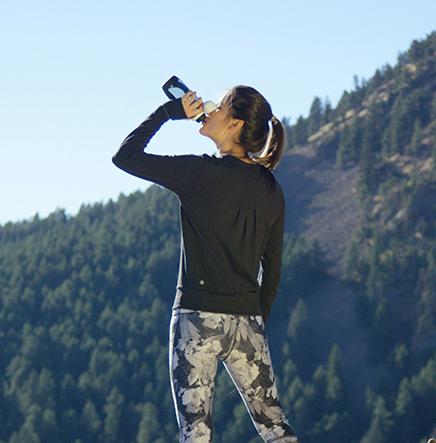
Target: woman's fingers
<point x="191" y="104"/>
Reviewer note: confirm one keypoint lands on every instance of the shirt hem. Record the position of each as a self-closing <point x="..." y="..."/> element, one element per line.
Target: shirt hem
<point x="237" y="303"/>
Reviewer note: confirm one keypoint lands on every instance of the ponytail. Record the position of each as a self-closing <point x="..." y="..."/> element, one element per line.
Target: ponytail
<point x="271" y="154"/>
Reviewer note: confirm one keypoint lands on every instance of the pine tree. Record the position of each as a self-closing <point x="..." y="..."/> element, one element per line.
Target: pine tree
<point x="412" y="149"/>
<point x="149" y="428"/>
<point x="351" y="261"/>
<point x="377" y="79"/>
<point x="29" y="430"/>
<point x="372" y="282"/>
<point x="414" y="404"/>
<point x="334" y="389"/>
<point x="297" y="321"/>
<point x="367" y="184"/>
<point x="315" y="116"/>
<point x="300" y="131"/>
<point x="382" y="424"/>
<point x="113" y="411"/>
<point x="302" y="340"/>
<point x="90" y="420"/>
<point x="433" y="108"/>
<point x="349" y="144"/>
<point x="396" y="124"/>
<point x="405" y="110"/>
<point x="328" y="111"/>
<point x="416" y="50"/>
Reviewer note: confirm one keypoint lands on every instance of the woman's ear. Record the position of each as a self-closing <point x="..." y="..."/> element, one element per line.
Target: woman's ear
<point x="236" y="124"/>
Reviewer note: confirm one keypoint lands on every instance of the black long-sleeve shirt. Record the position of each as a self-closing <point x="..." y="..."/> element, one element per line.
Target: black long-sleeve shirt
<point x="232" y="220"/>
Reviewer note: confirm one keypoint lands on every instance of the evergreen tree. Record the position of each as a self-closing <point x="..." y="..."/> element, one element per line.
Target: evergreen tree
<point x="433" y="108"/>
<point x="49" y="426"/>
<point x="289" y="133"/>
<point x="373" y="288"/>
<point x="90" y="422"/>
<point x="149" y="428"/>
<point x="68" y="424"/>
<point x="349" y="144"/>
<point x="374" y="125"/>
<point x="343" y="104"/>
<point x="351" y="262"/>
<point x="367" y="183"/>
<point x="334" y="389"/>
<point x="412" y="149"/>
<point x="327" y="115"/>
<point x="395" y="131"/>
<point x="29" y="430"/>
<point x="299" y="134"/>
<point x="356" y="82"/>
<point x="315" y="116"/>
<point x="433" y="149"/>
<point x="113" y="411"/>
<point x="400" y="358"/>
<point x="382" y="424"/>
<point x="416" y="51"/>
<point x="298" y="320"/>
<point x="415" y="402"/>
<point x="376" y="80"/>
<point x="302" y="341"/>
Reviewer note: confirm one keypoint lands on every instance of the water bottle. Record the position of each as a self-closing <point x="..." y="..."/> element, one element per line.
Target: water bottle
<point x="174" y="88"/>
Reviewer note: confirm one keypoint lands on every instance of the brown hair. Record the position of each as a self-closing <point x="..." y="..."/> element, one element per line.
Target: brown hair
<point x="247" y="104"/>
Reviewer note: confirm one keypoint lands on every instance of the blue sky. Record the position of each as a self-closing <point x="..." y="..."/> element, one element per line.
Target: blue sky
<point x="77" y="77"/>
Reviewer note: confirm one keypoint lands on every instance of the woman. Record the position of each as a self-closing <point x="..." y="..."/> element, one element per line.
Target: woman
<point x="232" y="213"/>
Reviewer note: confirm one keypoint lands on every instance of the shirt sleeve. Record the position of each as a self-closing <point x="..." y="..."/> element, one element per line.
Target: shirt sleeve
<point x="271" y="264"/>
<point x="174" y="172"/>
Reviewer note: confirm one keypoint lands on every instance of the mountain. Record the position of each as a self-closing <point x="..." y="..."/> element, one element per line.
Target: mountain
<point x="85" y="300"/>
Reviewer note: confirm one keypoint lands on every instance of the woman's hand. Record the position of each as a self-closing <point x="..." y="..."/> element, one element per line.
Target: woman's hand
<point x="192" y="105"/>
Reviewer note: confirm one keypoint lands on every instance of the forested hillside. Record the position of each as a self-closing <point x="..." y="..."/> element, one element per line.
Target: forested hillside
<point x="85" y="300"/>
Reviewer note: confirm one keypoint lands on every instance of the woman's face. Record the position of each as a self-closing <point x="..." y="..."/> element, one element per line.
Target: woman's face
<point x="220" y="126"/>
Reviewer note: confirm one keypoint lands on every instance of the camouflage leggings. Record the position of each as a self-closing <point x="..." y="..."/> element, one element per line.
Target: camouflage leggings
<point x="197" y="340"/>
